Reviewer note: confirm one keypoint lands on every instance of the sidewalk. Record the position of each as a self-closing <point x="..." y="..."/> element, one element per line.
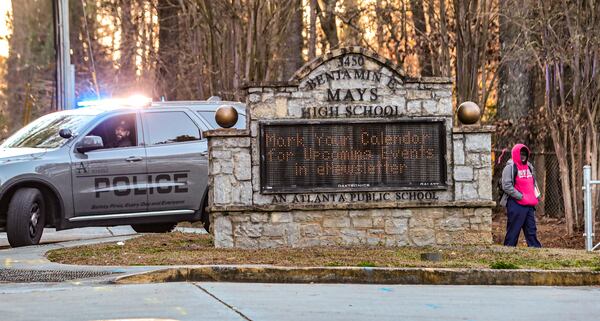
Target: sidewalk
<point x="51" y="235"/>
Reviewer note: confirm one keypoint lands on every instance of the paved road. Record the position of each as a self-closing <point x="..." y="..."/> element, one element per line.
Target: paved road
<point x="94" y="299"/>
<point x="243" y="301"/>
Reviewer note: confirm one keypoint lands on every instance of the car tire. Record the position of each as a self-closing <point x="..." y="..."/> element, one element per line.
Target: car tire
<point x="205" y="218"/>
<point x="206" y="224"/>
<point x="154" y="228"/>
<point x="26" y="217"/>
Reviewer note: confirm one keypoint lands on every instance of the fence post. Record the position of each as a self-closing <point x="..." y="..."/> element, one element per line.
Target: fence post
<point x="587" y="204"/>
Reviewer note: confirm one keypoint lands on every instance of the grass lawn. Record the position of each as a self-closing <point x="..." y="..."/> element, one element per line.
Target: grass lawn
<point x="191" y="249"/>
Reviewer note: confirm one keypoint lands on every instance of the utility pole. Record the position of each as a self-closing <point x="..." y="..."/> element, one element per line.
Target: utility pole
<point x="65" y="71"/>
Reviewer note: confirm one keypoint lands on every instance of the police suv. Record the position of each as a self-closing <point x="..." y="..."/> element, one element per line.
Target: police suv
<point x="108" y="163"/>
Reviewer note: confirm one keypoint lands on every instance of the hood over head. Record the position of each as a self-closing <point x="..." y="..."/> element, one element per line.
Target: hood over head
<point x="516" y="154"/>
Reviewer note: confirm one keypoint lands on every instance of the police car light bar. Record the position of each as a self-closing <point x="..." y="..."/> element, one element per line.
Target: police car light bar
<point x="134" y="101"/>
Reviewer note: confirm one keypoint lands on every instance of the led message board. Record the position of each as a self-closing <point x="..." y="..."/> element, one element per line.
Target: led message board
<point x="352" y="156"/>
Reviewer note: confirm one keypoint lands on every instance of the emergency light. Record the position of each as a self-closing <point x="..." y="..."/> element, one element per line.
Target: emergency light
<point x="133" y="101"/>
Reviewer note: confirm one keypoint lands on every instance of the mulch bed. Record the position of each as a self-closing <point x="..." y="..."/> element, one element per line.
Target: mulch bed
<point x="191" y="249"/>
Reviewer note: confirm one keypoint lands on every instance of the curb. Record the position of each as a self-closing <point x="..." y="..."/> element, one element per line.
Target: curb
<point x="365" y="275"/>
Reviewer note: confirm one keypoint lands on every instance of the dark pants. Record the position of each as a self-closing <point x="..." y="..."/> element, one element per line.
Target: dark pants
<point x="520" y="217"/>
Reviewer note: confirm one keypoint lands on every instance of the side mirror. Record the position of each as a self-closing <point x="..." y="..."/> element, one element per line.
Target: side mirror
<point x="89" y="143"/>
<point x="65" y="133"/>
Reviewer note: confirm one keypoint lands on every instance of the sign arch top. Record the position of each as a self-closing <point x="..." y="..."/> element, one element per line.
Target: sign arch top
<point x="336" y="54"/>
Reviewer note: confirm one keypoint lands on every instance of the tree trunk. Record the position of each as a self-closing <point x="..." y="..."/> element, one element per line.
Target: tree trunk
<point x="79" y="48"/>
<point x="328" y="22"/>
<point x="312" y="39"/>
<point x="293" y="44"/>
<point x="466" y="53"/>
<point x="418" y="17"/>
<point x="351" y="30"/>
<point x="379" y="13"/>
<point x="540" y="176"/>
<point x="168" y="52"/>
<point x="445" y="50"/>
<point x="16" y="76"/>
<point x="250" y="32"/>
<point x="127" y="68"/>
<point x="31" y="64"/>
<point x="515" y="88"/>
<point x="565" y="182"/>
<point x="236" y="48"/>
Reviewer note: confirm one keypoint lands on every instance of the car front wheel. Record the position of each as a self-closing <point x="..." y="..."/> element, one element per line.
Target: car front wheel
<point x="25" y="217"/>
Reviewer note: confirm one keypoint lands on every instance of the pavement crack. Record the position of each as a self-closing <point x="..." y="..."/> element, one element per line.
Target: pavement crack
<point x="231" y="307"/>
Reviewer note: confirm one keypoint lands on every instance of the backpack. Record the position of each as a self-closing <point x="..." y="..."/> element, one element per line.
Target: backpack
<point x="515" y="172"/>
<point x="499" y="182"/>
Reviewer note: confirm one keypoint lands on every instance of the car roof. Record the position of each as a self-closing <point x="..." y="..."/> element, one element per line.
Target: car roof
<point x="95" y="110"/>
<point x="200" y="105"/>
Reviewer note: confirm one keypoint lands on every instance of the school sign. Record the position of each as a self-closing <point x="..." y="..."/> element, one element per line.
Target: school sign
<point x="350" y="151"/>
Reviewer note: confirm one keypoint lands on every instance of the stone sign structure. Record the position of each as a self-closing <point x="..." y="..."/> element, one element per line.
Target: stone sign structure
<point x="350" y="151"/>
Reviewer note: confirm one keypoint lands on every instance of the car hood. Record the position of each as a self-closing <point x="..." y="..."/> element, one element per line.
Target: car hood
<point x="8" y="155"/>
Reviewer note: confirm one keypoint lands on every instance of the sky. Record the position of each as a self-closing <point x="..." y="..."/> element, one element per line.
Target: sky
<point x="5" y="6"/>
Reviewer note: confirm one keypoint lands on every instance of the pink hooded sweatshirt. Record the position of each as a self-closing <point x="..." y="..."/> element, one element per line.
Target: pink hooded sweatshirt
<point x="524" y="182"/>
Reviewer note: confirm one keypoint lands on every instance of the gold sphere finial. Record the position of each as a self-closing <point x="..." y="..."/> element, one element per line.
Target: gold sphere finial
<point x="468" y="113"/>
<point x="226" y="116"/>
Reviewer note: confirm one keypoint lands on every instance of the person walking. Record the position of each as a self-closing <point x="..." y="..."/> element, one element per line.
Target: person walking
<point x="520" y="197"/>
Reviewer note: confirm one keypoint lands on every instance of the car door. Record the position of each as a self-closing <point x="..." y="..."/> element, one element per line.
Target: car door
<point x="176" y="159"/>
<point x="113" y="179"/>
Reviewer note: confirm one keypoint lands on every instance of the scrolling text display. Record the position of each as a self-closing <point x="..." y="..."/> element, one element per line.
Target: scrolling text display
<point x="352" y="156"/>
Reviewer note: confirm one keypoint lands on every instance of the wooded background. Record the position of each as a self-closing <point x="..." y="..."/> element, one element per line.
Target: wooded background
<point x="532" y="65"/>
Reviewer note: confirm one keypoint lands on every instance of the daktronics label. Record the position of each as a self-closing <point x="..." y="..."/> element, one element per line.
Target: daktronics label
<point x="334" y="156"/>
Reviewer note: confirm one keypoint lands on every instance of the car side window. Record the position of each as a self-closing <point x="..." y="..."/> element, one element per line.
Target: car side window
<point x="117" y="132"/>
<point x="209" y="116"/>
<point x="169" y="127"/>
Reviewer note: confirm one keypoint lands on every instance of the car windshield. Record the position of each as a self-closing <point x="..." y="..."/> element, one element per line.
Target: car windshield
<point x="43" y="132"/>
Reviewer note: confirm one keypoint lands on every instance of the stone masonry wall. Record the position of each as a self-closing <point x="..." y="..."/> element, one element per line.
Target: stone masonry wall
<point x="229" y="168"/>
<point x="472" y="163"/>
<point x="387" y="227"/>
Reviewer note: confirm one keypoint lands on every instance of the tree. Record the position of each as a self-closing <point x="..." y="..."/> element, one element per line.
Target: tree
<point x="17" y="61"/>
<point x="565" y="42"/>
<point x="515" y="88"/>
<point x="312" y="31"/>
<point x="328" y="21"/>
<point x="30" y="65"/>
<point x="475" y="26"/>
<point x="127" y="61"/>
<point x="423" y="52"/>
<point x="294" y="43"/>
<point x="168" y="49"/>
